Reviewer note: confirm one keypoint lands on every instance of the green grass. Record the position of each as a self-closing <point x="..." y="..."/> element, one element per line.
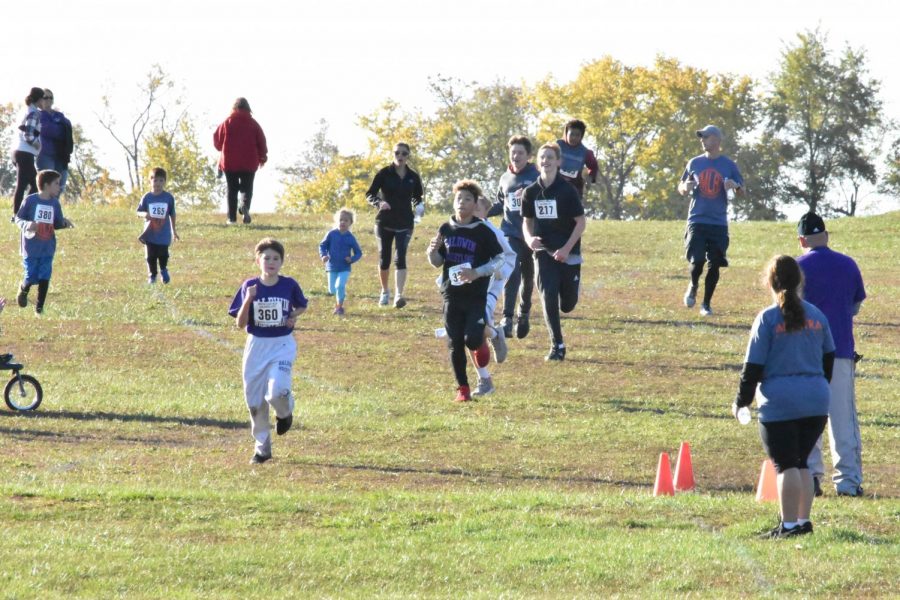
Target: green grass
<point x="131" y="480"/>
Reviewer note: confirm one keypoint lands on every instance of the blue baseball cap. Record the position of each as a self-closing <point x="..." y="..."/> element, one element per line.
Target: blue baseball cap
<point x="709" y="130"/>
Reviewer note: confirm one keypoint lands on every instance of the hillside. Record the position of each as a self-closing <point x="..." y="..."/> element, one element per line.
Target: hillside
<point x="132" y="478"/>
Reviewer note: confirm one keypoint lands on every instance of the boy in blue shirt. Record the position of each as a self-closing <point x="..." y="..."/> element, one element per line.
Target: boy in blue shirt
<point x="576" y="157"/>
<point x="38" y="218"/>
<point x="338" y="250"/>
<point x="712" y="179"/>
<point x="157" y="207"/>
<point x="268" y="307"/>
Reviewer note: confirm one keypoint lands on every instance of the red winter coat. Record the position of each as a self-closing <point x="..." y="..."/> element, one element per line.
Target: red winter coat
<point x="241" y="142"/>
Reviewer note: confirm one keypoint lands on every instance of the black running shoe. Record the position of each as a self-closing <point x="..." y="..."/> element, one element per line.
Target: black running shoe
<point x="805" y="528"/>
<point x="522" y="326"/>
<point x="282" y="425"/>
<point x="22" y="297"/>
<point x="817" y="487"/>
<point x="507" y="325"/>
<point x="557" y="353"/>
<point x="259" y="459"/>
<point x="782" y="532"/>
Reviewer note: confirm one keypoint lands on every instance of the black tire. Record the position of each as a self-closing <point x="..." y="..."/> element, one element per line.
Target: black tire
<point x="26" y="397"/>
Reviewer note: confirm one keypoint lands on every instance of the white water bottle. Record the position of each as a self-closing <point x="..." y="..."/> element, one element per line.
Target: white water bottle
<point x="743" y="415"/>
<point x="729" y="193"/>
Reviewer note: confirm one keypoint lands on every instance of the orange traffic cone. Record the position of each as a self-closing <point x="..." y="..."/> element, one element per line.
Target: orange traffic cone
<point x="663" y="485"/>
<point x="684" y="470"/>
<point x="767" y="489"/>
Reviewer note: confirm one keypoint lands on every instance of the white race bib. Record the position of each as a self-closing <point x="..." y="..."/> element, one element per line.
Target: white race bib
<point x="545" y="209"/>
<point x="158" y="210"/>
<point x="569" y="174"/>
<point x="454" y="273"/>
<point x="267" y="313"/>
<point x="513" y="202"/>
<point x="44" y="213"/>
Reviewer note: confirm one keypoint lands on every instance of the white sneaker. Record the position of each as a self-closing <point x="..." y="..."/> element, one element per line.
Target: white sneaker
<point x="498" y="345"/>
<point x="705" y="310"/>
<point x="485" y="386"/>
<point x="385" y="298"/>
<point x="690" y="296"/>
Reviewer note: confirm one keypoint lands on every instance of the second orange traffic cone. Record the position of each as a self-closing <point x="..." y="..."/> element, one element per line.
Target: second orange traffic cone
<point x="663" y="485"/>
<point x="767" y="489"/>
<point x="684" y="470"/>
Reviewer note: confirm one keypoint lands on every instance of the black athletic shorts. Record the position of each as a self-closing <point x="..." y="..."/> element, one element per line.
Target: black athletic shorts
<point x="707" y="243"/>
<point x="788" y="443"/>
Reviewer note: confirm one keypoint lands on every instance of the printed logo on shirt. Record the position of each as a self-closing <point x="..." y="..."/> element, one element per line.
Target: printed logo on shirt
<point x="711" y="183"/>
<point x="812" y="324"/>
<point x="569" y="174"/>
<point x="545" y="209"/>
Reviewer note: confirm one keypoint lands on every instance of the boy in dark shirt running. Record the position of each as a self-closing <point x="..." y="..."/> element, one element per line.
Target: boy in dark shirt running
<point x="469" y="253"/>
<point x="553" y="222"/>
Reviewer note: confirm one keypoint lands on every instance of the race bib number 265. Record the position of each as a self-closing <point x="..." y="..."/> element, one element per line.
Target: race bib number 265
<point x="158" y="210"/>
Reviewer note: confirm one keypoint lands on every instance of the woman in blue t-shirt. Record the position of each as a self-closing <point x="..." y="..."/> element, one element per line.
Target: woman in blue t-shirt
<point x="790" y="356"/>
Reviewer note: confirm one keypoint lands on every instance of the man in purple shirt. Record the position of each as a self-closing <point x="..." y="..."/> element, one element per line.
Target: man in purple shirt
<point x="833" y="283"/>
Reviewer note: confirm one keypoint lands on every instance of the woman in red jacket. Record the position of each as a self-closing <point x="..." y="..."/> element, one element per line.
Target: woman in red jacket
<point x="242" y="147"/>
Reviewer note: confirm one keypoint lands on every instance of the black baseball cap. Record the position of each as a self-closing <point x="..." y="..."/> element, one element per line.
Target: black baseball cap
<point x="810" y="224"/>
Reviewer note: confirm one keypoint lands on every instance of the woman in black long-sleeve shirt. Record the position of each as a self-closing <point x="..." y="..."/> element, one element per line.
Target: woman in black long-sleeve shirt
<point x="394" y="191"/>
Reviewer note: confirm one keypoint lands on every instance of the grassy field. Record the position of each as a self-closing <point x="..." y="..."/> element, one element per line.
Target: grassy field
<point x="131" y="480"/>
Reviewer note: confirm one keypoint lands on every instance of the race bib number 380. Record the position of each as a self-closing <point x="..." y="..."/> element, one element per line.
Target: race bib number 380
<point x="545" y="209"/>
<point x="267" y="313"/>
<point x="44" y="213"/>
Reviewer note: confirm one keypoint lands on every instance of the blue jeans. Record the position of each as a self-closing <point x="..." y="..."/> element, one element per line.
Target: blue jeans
<point x="337" y="284"/>
<point x="51" y="162"/>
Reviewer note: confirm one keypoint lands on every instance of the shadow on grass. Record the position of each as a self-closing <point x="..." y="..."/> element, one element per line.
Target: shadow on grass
<point x="690" y="324"/>
<point x="635" y="407"/>
<point x="493" y="476"/>
<point x="127" y="418"/>
<point x="658" y="366"/>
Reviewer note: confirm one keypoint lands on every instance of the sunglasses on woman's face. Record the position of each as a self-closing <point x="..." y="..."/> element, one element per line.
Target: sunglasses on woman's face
<point x="401" y="153"/>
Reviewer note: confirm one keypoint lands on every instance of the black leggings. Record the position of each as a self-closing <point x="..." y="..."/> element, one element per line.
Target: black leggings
<point x="461" y="319"/>
<point x="26" y="177"/>
<point x="558" y="284"/>
<point x="710" y="283"/>
<point x="157" y="253"/>
<point x="387" y="238"/>
<point x="788" y="443"/>
<point x="239" y="181"/>
<point x="523" y="274"/>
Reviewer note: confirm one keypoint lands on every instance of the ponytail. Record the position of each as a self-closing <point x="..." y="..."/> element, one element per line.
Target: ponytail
<point x="784" y="278"/>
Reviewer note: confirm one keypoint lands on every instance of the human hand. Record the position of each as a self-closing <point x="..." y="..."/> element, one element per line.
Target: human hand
<point x="536" y="243"/>
<point x="435" y="243"/>
<point x="348" y="259"/>
<point x="561" y="255"/>
<point x="31" y="227"/>
<point x="325" y="258"/>
<point x="383" y="206"/>
<point x="251" y="292"/>
<point x="176" y="236"/>
<point x="290" y="322"/>
<point x="69" y="224"/>
<point x="468" y="275"/>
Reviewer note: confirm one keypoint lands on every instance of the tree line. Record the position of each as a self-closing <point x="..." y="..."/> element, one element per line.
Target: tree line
<point x="814" y="133"/>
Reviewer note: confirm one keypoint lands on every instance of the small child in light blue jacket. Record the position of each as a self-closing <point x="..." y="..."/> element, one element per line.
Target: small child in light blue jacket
<point x="339" y="249"/>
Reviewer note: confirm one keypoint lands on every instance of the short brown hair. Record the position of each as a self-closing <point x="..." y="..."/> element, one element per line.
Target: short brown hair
<point x="269" y="244"/>
<point x="158" y="172"/>
<point x="576" y="124"/>
<point x="46" y="177"/>
<point x="552" y="146"/>
<point x="520" y="140"/>
<point x="468" y="185"/>
<point x="241" y="104"/>
<point x="344" y="211"/>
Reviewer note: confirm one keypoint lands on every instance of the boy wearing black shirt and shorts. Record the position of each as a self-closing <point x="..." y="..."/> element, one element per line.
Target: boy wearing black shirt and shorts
<point x="469" y="253"/>
<point x="553" y="222"/>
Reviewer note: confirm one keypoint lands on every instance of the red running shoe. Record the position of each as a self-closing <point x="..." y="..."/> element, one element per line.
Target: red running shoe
<point x="463" y="394"/>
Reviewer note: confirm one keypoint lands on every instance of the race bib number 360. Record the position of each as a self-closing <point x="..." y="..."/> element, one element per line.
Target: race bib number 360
<point x="545" y="209"/>
<point x="44" y="213"/>
<point x="158" y="210"/>
<point x="267" y="313"/>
